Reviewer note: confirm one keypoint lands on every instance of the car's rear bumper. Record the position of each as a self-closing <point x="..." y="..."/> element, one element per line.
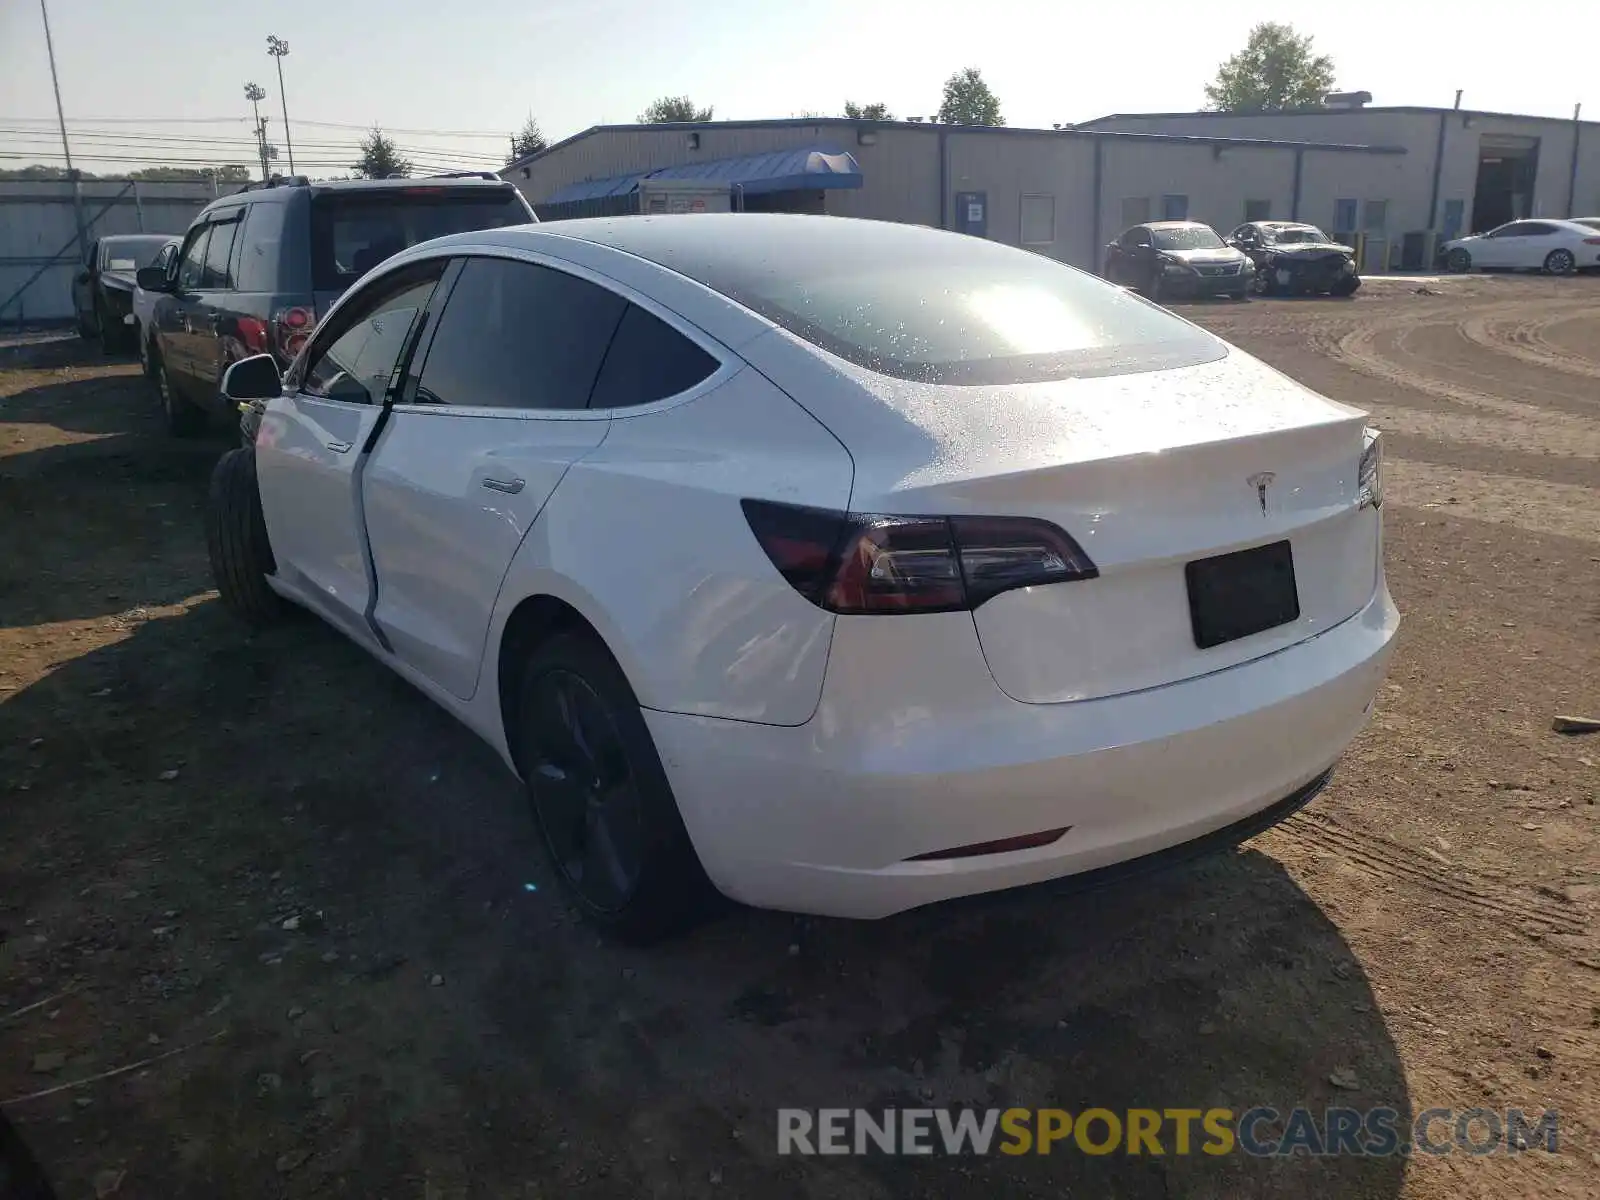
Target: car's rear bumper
<point x="825" y="817"/>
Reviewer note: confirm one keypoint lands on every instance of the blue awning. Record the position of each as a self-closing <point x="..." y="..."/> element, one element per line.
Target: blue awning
<point x="774" y="171"/>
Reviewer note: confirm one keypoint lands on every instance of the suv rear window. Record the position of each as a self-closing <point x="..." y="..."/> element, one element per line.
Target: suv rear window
<point x="915" y="303"/>
<point x="351" y="234"/>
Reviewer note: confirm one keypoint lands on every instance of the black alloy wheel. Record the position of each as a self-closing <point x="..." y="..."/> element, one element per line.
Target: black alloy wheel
<point x="601" y="796"/>
<point x="588" y="797"/>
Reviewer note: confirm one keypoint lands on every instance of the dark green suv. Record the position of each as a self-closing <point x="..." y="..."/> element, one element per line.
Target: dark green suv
<point x="258" y="269"/>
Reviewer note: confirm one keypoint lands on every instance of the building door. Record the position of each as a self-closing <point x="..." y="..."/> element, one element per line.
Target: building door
<point x="972" y="213"/>
<point x="1506" y="168"/>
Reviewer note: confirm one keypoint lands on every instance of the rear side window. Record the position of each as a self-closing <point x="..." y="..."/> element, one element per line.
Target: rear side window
<point x="261" y="235"/>
<point x="354" y="232"/>
<point x="218" y="254"/>
<point x="518" y="335"/>
<point x="648" y="361"/>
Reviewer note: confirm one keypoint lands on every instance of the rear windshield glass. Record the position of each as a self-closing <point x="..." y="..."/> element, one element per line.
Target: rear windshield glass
<point x="918" y="304"/>
<point x="131" y="253"/>
<point x="352" y="234"/>
<point x="1187" y="237"/>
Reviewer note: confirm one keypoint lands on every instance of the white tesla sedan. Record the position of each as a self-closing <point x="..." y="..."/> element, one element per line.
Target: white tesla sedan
<point x="1557" y="247"/>
<point x="834" y="565"/>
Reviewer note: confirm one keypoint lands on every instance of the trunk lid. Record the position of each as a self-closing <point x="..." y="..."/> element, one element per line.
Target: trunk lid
<point x="1149" y="472"/>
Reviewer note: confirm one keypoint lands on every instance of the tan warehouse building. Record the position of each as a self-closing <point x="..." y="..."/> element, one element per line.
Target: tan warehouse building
<point x="1064" y="193"/>
<point x="1466" y="171"/>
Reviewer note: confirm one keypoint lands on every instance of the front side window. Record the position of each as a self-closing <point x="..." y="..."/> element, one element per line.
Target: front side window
<point x="370" y="337"/>
<point x="191" y="267"/>
<point x="519" y="335"/>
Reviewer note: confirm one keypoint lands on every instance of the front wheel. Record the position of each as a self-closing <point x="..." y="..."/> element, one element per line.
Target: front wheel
<point x="236" y="540"/>
<point x="1346" y="286"/>
<point x="601" y="796"/>
<point x="1560" y="262"/>
<point x="1458" y="261"/>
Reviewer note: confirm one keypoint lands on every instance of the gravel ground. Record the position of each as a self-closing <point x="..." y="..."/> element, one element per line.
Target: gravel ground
<point x="309" y="912"/>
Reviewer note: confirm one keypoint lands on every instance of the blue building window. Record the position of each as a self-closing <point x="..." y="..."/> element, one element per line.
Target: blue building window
<point x="1174" y="208"/>
<point x="1344" y="216"/>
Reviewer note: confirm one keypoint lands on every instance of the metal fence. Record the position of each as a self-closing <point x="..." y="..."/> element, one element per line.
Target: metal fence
<point x="40" y="247"/>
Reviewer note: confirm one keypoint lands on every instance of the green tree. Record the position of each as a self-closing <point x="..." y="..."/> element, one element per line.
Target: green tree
<point x="968" y="101"/>
<point x="867" y="112"/>
<point x="673" y="108"/>
<point x="41" y="171"/>
<point x="527" y="140"/>
<point x="380" y="157"/>
<point x="231" y="173"/>
<point x="1276" y="70"/>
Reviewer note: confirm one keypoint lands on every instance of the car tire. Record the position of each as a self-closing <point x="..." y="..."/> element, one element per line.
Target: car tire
<point x="1560" y="262"/>
<point x="147" y="361"/>
<point x="236" y="540"/>
<point x="1346" y="287"/>
<point x="85" y="330"/>
<point x="183" y="419"/>
<point x="1458" y="261"/>
<point x="601" y="797"/>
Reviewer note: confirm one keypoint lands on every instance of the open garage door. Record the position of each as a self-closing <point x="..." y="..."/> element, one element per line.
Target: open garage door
<point x="1507" y="164"/>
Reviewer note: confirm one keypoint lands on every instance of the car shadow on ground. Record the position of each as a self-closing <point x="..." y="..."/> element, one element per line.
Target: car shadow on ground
<point x="313" y="838"/>
<point x="102" y="510"/>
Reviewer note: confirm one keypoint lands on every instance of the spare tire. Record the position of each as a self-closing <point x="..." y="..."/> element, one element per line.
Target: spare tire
<point x="236" y="540"/>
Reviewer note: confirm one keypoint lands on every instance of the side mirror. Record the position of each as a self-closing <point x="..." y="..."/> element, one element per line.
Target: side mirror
<point x="83" y="275"/>
<point x="253" y="378"/>
<point x="151" y="279"/>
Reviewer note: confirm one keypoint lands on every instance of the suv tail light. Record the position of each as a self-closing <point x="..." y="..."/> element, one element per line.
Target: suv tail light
<point x="290" y="329"/>
<point x="1369" y="475"/>
<point x="855" y="563"/>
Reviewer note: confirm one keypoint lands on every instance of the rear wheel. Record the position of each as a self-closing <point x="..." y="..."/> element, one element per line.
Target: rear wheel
<point x="236" y="540"/>
<point x="183" y="418"/>
<point x="1458" y="261"/>
<point x="601" y="796"/>
<point x="1560" y="262"/>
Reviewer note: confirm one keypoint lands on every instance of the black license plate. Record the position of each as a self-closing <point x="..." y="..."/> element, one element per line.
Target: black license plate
<point x="1234" y="595"/>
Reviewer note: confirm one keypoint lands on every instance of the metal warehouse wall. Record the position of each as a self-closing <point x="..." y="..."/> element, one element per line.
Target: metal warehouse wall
<point x="1410" y="181"/>
<point x="1010" y="166"/>
<point x="901" y="173"/>
<point x="39" y="250"/>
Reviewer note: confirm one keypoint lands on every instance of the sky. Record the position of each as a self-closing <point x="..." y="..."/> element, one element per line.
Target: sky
<point x="159" y="81"/>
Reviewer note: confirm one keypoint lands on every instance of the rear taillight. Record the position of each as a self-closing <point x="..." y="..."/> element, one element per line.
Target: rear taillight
<point x="290" y="329"/>
<point x="1594" y="241"/>
<point x="854" y="563"/>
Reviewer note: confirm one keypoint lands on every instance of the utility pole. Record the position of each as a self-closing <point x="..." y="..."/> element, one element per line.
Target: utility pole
<point x="61" y="118"/>
<point x="279" y="49"/>
<point x="255" y="94"/>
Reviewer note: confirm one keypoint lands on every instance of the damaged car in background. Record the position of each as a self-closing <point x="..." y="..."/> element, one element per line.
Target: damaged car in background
<point x="1292" y="258"/>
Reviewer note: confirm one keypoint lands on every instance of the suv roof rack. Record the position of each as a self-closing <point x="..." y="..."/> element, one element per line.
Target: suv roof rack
<point x="467" y="175"/>
<point x="277" y="181"/>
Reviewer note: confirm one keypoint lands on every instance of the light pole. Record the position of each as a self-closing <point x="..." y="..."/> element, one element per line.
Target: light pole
<point x="279" y="49"/>
<point x="255" y="94"/>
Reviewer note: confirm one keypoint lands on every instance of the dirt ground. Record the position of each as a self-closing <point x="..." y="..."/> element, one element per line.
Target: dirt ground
<point x="309" y="911"/>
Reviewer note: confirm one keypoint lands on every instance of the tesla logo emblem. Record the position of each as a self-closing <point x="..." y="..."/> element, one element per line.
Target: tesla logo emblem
<point x="1261" y="480"/>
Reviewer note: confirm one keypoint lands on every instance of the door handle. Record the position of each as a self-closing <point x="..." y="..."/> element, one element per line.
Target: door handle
<point x="509" y="486"/>
<point x="340" y="447"/>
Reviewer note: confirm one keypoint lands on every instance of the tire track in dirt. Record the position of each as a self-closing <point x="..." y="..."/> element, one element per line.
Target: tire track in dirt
<point x="1389" y="860"/>
<point x="1566" y="509"/>
<point x="1359" y="349"/>
<point x="1523" y="338"/>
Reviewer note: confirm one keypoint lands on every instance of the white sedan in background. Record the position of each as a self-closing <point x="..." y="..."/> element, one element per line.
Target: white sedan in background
<point x="144" y="304"/>
<point x="836" y="566"/>
<point x="1557" y="247"/>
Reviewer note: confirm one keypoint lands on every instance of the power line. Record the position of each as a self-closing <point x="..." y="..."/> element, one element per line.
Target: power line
<point x="75" y="121"/>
